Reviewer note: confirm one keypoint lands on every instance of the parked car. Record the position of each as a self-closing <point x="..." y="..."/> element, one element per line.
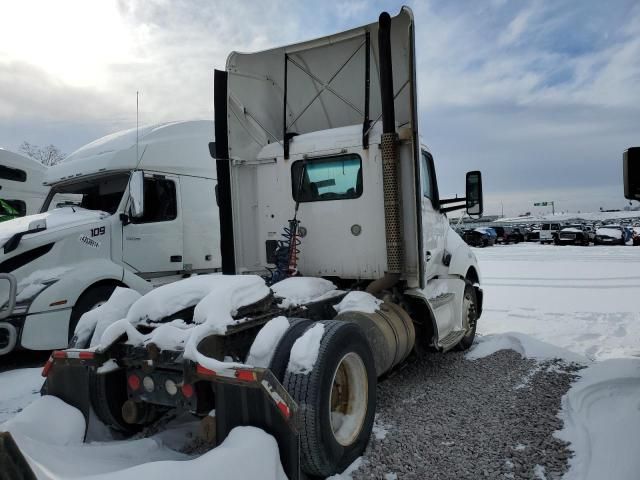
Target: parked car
<point x="549" y="232"/>
<point x="611" y="235"/>
<point x="532" y="235"/>
<point x="573" y="235"/>
<point x="508" y="235"/>
<point x="636" y="236"/>
<point x="480" y="237"/>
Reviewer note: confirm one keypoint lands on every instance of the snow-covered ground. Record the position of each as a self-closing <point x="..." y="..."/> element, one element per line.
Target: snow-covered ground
<point x="578" y="303"/>
<point x="573" y="302"/>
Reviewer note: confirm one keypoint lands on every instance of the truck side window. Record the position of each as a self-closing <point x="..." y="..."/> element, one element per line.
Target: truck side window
<point x="330" y="178"/>
<point x="160" y="203"/>
<point x="429" y="183"/>
<point x="13" y="174"/>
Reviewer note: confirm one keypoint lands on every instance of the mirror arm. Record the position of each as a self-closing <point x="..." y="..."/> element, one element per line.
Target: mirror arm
<point x="452" y="209"/>
<point x="124" y="218"/>
<point x="447" y="201"/>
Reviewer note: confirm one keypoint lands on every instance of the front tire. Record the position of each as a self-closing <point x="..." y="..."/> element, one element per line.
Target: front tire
<point x="337" y="400"/>
<point x="469" y="317"/>
<point x="90" y="299"/>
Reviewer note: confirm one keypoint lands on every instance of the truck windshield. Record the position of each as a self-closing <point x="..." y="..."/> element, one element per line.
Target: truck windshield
<point x="102" y="193"/>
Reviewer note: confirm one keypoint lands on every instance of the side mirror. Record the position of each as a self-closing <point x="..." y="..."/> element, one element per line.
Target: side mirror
<point x="136" y="193"/>
<point x="474" y="193"/>
<point x="631" y="173"/>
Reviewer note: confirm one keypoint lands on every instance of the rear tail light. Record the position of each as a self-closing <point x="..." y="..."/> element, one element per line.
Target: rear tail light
<point x="187" y="390"/>
<point x="134" y="382"/>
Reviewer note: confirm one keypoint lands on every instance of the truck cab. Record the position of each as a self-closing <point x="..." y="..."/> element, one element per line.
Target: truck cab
<point x="21" y="185"/>
<point x="304" y="132"/>
<point x="86" y="241"/>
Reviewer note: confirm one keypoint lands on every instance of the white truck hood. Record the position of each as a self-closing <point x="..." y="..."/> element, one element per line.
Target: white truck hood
<point x="56" y="219"/>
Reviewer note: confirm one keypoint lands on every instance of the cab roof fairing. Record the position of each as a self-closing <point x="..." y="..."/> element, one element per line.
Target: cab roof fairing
<point x="168" y="143"/>
<point x="321" y="92"/>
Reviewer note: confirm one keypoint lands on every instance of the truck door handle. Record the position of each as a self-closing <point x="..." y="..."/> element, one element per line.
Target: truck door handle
<point x="134" y="238"/>
<point x="175" y="258"/>
<point x="428" y="256"/>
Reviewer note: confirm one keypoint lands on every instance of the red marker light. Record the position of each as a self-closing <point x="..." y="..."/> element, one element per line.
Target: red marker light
<point x="187" y="390"/>
<point x="245" y="375"/>
<point x="134" y="382"/>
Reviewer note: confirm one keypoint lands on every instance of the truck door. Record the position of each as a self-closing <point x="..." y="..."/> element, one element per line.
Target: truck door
<point x="153" y="243"/>
<point x="432" y="219"/>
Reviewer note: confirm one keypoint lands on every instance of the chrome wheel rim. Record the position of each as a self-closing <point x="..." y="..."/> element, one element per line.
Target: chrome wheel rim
<point x="469" y="314"/>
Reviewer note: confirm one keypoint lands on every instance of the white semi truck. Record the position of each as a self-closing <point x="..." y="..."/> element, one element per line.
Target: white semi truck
<point x="60" y="263"/>
<point x="318" y="140"/>
<point x="21" y="185"/>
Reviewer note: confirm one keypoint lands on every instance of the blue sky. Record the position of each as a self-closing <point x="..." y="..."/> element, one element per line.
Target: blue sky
<point x="543" y="97"/>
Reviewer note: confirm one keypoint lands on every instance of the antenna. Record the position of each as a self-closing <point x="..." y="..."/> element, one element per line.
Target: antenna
<point x="137" y="123"/>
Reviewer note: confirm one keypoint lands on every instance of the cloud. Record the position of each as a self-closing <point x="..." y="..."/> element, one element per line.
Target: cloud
<point x="542" y="95"/>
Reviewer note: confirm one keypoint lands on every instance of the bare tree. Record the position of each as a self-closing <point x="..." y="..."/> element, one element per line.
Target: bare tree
<point x="49" y="155"/>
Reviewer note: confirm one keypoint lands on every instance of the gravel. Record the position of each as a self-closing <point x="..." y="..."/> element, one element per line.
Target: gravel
<point x="444" y="417"/>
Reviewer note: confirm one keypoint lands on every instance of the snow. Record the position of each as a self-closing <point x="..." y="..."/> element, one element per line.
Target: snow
<point x="304" y="352"/>
<point x="171" y="298"/>
<point x="92" y="324"/>
<point x="358" y="302"/>
<point x="266" y="341"/>
<point x="571" y="230"/>
<point x="18" y="388"/>
<point x="346" y="475"/>
<point x="602" y="421"/>
<point x="609" y="232"/>
<point x="563" y="302"/>
<point x="300" y="290"/>
<point x="48" y="420"/>
<point x="583" y="299"/>
<point x="525" y="345"/>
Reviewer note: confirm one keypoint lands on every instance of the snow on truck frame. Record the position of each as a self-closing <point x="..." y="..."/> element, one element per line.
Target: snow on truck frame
<point x="58" y="264"/>
<point x="318" y="140"/>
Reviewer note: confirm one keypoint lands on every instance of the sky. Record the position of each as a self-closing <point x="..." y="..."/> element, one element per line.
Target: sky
<point x="542" y="96"/>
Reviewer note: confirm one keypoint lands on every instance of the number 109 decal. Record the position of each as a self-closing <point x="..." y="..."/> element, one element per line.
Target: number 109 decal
<point x="95" y="232"/>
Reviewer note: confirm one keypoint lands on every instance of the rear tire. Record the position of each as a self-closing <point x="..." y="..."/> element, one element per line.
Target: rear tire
<point x="342" y="384"/>
<point x="108" y="392"/>
<point x="470" y="317"/>
<point x="280" y="359"/>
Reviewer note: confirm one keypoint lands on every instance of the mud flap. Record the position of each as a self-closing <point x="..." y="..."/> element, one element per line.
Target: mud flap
<point x="238" y="405"/>
<point x="13" y="465"/>
<point x="70" y="383"/>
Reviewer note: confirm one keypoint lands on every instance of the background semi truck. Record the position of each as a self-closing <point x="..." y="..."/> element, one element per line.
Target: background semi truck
<point x="337" y="255"/>
<point x="21" y="185"/>
<point x="65" y="261"/>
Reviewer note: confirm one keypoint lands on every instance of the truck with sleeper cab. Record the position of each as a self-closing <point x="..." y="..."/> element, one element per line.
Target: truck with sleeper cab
<point x="68" y="259"/>
<point x="337" y="255"/>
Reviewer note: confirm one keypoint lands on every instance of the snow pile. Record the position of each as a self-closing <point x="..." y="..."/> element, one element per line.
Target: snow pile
<point x="358" y="302"/>
<point x="228" y="461"/>
<point x="34" y="283"/>
<point x="49" y="420"/>
<point x="97" y="320"/>
<point x="266" y="342"/>
<point x="300" y="290"/>
<point x="171" y="298"/>
<point x="304" y="352"/>
<point x="525" y="345"/>
<point x="602" y="421"/>
<point x="18" y="388"/>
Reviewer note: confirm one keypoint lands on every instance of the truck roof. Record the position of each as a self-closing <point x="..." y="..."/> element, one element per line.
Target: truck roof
<point x="16" y="160"/>
<point x="162" y="147"/>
